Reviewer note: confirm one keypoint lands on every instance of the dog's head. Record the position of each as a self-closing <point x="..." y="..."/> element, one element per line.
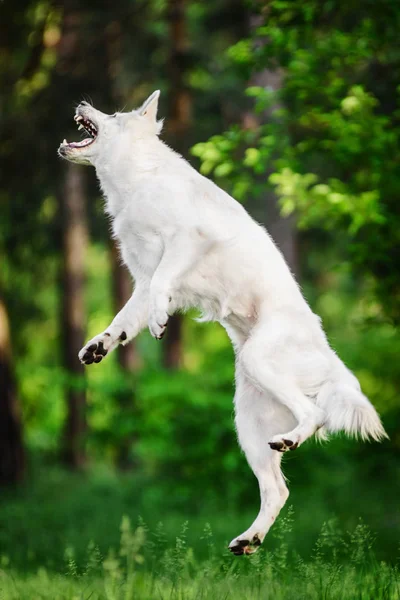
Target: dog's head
<point x="107" y="130"/>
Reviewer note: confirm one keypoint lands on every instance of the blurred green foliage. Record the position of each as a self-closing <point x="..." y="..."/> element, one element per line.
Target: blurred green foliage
<point x="330" y="132"/>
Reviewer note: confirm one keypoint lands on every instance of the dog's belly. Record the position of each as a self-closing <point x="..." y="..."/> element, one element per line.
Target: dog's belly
<point x="220" y="294"/>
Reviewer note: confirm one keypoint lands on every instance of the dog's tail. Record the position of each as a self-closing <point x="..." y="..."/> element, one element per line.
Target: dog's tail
<point x="347" y="409"/>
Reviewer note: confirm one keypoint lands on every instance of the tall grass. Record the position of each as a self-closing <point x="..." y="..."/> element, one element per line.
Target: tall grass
<point x="145" y="566"/>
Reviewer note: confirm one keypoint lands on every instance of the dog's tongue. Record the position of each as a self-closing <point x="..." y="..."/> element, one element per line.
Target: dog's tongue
<point x="84" y="142"/>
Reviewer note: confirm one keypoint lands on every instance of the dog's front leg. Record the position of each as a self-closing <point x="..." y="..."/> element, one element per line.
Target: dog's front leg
<point x="130" y="320"/>
<point x="182" y="253"/>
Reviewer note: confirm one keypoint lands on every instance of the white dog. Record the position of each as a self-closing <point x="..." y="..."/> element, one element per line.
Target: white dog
<point x="189" y="244"/>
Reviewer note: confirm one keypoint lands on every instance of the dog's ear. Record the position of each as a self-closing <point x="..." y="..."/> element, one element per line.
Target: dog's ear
<point x="149" y="107"/>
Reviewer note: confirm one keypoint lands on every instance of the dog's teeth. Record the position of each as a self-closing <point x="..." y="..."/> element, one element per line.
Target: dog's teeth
<point x="65" y="141"/>
<point x="80" y="127"/>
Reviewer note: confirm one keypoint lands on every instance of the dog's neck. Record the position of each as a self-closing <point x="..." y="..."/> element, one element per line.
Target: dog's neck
<point x="120" y="171"/>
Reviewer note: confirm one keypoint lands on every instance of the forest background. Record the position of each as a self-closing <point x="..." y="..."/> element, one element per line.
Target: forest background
<point x="293" y="107"/>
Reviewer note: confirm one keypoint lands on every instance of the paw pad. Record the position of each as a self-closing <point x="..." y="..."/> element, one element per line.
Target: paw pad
<point x="283" y="446"/>
<point x="240" y="547"/>
<point x="94" y="354"/>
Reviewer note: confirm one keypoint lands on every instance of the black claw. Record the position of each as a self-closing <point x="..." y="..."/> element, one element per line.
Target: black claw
<point x="256" y="541"/>
<point x="123" y="336"/>
<point x="98" y="359"/>
<point x="294" y="446"/>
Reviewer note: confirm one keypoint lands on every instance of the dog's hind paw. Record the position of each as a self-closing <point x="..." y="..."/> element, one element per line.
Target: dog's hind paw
<point x="283" y="445"/>
<point x="240" y="546"/>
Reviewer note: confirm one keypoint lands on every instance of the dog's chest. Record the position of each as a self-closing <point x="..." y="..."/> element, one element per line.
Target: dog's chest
<point x="140" y="244"/>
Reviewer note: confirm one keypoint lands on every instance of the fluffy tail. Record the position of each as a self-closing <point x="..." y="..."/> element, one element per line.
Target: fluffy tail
<point x="347" y="409"/>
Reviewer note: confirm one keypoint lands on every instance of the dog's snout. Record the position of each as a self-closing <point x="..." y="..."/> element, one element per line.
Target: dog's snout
<point x="82" y="107"/>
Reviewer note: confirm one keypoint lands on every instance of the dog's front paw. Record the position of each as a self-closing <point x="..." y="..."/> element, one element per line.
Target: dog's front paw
<point x="160" y="304"/>
<point x="158" y="322"/>
<point x="97" y="348"/>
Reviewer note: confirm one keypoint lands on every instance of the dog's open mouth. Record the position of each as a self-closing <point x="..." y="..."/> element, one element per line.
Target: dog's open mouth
<point x="88" y="126"/>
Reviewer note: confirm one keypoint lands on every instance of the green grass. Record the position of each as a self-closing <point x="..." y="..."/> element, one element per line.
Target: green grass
<point x="145" y="566"/>
<point x="64" y="537"/>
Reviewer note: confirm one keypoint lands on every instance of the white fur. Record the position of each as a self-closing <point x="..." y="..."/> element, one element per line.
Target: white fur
<point x="187" y="244"/>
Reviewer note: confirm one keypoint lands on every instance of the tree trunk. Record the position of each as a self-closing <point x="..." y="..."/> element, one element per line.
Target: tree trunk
<point x="282" y="230"/>
<point x="122" y="288"/>
<point x="179" y="122"/>
<point x="73" y="311"/>
<point x="129" y="361"/>
<point x="12" y="459"/>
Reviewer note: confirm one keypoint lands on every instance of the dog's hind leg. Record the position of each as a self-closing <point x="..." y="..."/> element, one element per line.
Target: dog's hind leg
<point x="267" y="363"/>
<point x="257" y="418"/>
